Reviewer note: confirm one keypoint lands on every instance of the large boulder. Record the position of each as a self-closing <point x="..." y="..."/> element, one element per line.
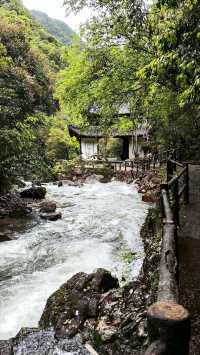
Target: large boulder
<point x="76" y="301"/>
<point x="47" y="207"/>
<point x="111" y="318"/>
<point x="12" y="205"/>
<point x="34" y="192"/>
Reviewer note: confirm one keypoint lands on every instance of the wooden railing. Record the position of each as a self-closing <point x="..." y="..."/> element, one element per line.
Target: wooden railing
<point x="168" y="321"/>
<point x="138" y="166"/>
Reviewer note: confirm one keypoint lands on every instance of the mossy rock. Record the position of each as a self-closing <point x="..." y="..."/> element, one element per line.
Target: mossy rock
<point x="78" y="297"/>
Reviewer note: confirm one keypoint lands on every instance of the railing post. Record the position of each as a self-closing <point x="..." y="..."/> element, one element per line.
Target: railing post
<point x="169" y="326"/>
<point x="170" y="170"/>
<point x="163" y="187"/>
<point x="187" y="191"/>
<point x="176" y="203"/>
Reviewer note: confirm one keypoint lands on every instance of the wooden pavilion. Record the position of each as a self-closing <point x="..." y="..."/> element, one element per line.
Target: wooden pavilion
<point x="132" y="140"/>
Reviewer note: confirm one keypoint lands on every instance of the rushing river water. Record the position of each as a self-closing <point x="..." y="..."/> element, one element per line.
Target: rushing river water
<point x="100" y="228"/>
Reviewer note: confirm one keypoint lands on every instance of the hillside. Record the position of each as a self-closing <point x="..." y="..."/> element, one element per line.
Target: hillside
<point x="30" y="58"/>
<point x="57" y="28"/>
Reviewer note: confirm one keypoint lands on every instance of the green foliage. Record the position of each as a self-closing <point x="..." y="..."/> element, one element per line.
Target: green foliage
<point x="176" y="39"/>
<point x="111" y="148"/>
<point x="128" y="256"/>
<point x="57" y="28"/>
<point x="160" y="46"/>
<point x="64" y="167"/>
<point x="99" y="80"/>
<point x="59" y="144"/>
<point x="29" y="60"/>
<point x="96" y="339"/>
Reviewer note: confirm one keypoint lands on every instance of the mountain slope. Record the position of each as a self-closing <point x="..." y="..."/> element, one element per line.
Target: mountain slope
<point x="57" y="28"/>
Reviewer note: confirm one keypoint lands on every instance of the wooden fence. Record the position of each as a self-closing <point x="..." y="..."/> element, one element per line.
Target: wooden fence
<point x="138" y="167"/>
<point x="168" y="321"/>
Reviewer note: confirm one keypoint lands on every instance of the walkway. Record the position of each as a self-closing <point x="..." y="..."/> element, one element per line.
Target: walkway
<point x="189" y="254"/>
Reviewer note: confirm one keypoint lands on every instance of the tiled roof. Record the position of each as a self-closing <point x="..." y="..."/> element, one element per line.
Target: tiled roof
<point x="97" y="132"/>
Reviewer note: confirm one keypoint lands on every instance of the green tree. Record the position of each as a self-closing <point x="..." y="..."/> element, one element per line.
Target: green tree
<point x="59" y="144"/>
<point x="29" y="60"/>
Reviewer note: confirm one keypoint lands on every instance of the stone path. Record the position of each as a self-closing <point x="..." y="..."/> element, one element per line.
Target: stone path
<point x="189" y="258"/>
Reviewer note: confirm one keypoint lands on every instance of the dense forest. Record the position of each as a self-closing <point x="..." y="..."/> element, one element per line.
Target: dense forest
<point x="30" y="59"/>
<point x="57" y="28"/>
<point x="146" y="58"/>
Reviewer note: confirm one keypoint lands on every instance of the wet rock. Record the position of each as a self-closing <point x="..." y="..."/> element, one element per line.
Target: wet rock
<point x="77" y="300"/>
<point x="105" y="180"/>
<point x="60" y="183"/>
<point x="138" y="297"/>
<point x="155" y="180"/>
<point x="12" y="205"/>
<point x="78" y="171"/>
<point x="47" y="207"/>
<point x="106" y="331"/>
<point x="5" y="238"/>
<point x="67" y="328"/>
<point x="129" y="328"/>
<point x="21" y="184"/>
<point x="142" y="190"/>
<point x="6" y="347"/>
<point x="71" y="183"/>
<point x="34" y="192"/>
<point x="103" y="281"/>
<point x="148" y="198"/>
<point x="51" y="216"/>
<point x="44" y="342"/>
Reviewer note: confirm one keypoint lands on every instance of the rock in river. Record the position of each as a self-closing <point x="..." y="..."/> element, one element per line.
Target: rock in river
<point x="12" y="205"/>
<point x="5" y="238"/>
<point x="47" y="207"/>
<point x="54" y="216"/>
<point x="34" y="192"/>
<point x="148" y="197"/>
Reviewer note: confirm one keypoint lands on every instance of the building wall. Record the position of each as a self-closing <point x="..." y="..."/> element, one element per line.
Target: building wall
<point x="132" y="148"/>
<point x="89" y="147"/>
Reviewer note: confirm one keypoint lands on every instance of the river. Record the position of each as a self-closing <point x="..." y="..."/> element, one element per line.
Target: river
<point x="100" y="228"/>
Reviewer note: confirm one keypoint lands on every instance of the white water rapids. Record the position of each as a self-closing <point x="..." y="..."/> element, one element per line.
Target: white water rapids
<point x="100" y="226"/>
